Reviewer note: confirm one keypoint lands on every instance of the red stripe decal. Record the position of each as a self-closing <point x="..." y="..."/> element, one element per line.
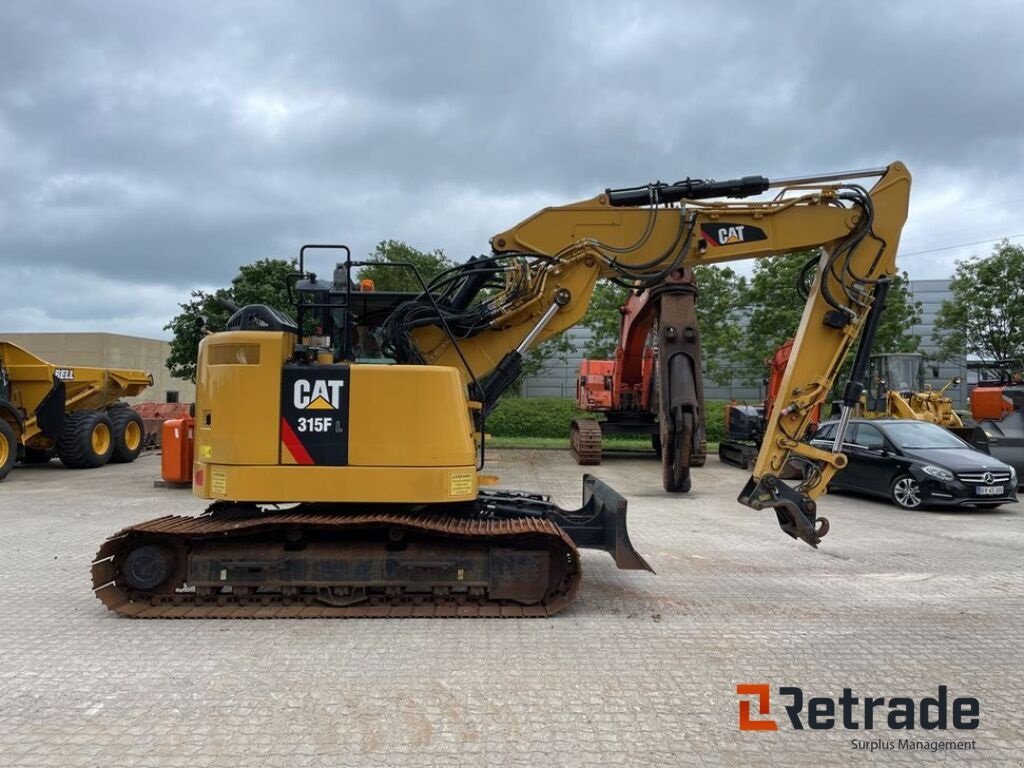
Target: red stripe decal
<point x="294" y="445"/>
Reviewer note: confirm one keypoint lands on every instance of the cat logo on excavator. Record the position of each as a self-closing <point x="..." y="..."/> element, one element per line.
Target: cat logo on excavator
<point x="727" y="233"/>
<point x="318" y="394"/>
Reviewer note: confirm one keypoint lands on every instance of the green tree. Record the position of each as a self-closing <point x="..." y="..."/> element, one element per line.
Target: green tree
<point x="720" y="295"/>
<point x="775" y="308"/>
<point x="428" y="263"/>
<point x="986" y="315"/>
<point x="262" y="282"/>
<point x="603" y="320"/>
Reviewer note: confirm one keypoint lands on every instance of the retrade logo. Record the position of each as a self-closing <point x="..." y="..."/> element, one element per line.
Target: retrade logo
<point x="850" y="712"/>
<point x="763" y="694"/>
<point x="318" y="394"/>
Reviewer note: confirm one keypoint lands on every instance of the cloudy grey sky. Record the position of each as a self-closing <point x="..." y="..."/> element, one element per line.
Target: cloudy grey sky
<point x="149" y="148"/>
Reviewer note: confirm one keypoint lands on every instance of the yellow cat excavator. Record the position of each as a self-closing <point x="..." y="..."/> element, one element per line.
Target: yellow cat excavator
<point x="342" y="448"/>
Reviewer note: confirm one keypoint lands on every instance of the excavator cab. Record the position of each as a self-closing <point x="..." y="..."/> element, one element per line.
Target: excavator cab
<point x="340" y="317"/>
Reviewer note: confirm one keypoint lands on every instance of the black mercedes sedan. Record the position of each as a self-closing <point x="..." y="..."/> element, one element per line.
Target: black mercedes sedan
<point x="917" y="464"/>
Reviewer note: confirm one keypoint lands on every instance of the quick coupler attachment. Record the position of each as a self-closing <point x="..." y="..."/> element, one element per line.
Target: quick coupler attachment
<point x="796" y="512"/>
<point x="601" y="524"/>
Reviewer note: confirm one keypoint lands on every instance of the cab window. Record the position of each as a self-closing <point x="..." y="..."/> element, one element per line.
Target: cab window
<point x="868" y="436"/>
<point x="826" y="432"/>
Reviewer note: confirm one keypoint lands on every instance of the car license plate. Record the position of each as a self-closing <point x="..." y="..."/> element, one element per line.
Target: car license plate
<point x="989" y="490"/>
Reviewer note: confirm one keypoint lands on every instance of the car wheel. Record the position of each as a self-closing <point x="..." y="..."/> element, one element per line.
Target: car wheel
<point x="906" y="492"/>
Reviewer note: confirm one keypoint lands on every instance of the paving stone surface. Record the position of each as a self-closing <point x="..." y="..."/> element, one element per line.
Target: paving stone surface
<point x="640" y="672"/>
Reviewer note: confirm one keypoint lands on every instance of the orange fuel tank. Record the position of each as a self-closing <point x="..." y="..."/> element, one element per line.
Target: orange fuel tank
<point x="176" y="450"/>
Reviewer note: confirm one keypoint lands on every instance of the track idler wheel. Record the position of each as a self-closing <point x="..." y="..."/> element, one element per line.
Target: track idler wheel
<point x="153" y="565"/>
<point x="147" y="567"/>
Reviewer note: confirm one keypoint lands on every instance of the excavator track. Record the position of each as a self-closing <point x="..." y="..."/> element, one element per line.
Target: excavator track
<point x="585" y="442"/>
<point x="312" y="562"/>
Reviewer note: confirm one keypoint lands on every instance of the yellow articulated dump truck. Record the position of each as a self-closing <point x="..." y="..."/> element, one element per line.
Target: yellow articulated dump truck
<point x="73" y="412"/>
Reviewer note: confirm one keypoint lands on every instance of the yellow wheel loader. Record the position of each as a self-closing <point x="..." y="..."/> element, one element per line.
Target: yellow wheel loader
<point x="896" y="390"/>
<point x="73" y="412"/>
<point x="341" y="448"/>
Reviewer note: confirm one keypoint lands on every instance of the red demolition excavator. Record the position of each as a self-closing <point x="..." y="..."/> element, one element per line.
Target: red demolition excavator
<point x="745" y="424"/>
<point x="647" y="392"/>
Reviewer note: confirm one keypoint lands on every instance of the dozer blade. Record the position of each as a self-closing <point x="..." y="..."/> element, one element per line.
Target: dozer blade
<point x="601" y="524"/>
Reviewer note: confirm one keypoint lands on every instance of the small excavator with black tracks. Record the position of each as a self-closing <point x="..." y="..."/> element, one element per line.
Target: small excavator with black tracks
<point x="342" y="448"/>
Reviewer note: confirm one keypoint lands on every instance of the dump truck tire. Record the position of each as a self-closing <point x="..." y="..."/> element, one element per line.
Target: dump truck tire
<point x="129" y="434"/>
<point x="8" y="448"/>
<point x="87" y="440"/>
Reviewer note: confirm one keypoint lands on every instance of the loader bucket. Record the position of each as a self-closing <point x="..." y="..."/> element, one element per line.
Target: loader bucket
<point x="601" y="524"/>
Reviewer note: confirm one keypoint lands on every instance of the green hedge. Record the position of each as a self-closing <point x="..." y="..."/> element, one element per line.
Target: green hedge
<point x="533" y="417"/>
<point x="551" y="416"/>
<point x="714" y="420"/>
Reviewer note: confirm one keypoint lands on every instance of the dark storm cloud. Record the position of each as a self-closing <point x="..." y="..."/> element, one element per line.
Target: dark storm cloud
<point x="146" y="149"/>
